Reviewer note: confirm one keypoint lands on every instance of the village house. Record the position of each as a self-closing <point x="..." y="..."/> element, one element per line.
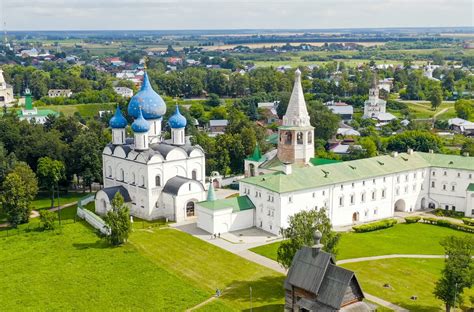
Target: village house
<point x="59" y="93"/>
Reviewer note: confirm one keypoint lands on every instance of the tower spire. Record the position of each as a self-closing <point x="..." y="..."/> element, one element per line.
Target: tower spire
<point x="296" y="113"/>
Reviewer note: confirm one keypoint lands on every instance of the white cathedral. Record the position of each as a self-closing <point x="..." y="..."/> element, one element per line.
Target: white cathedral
<point x="158" y="178"/>
<point x="289" y="179"/>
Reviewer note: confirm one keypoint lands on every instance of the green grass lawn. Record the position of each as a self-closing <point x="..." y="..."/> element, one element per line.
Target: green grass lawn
<point x="43" y="200"/>
<point x="403" y="238"/>
<point x="159" y="270"/>
<point x="86" y="110"/>
<point x="407" y="277"/>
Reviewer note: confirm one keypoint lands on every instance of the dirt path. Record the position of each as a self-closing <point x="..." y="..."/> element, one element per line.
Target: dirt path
<point x="389" y="257"/>
<point x="444" y="110"/>
<point x="201" y="304"/>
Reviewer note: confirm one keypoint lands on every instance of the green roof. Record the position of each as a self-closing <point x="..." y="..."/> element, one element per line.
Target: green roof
<point x="322" y="161"/>
<point x="470" y="187"/>
<point x="237" y="204"/>
<point x="256" y="155"/>
<point x="272" y="138"/>
<point x="341" y="172"/>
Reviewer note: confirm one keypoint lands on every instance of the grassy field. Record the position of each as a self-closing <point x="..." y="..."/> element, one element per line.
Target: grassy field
<point x="43" y="200"/>
<point x="160" y="269"/>
<point x="407" y="277"/>
<point x="86" y="110"/>
<point x="422" y="238"/>
<point x="422" y="110"/>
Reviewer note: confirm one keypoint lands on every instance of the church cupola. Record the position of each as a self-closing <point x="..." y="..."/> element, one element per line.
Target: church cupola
<point x="152" y="105"/>
<point x="177" y="123"/>
<point x="295" y="136"/>
<point x="140" y="128"/>
<point x="118" y="123"/>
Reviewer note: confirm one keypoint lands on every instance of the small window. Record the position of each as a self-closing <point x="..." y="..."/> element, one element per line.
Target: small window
<point x="194" y="174"/>
<point x="383" y="193"/>
<point x="290" y="199"/>
<point x="453" y="188"/>
<point x="189" y="186"/>
<point x="470" y="175"/>
<point x="158" y="180"/>
<point x="373" y="181"/>
<point x="314" y="194"/>
<point x="375" y="211"/>
<point x="406" y="178"/>
<point x="444" y="187"/>
<point x="324" y="193"/>
<point x="453" y="208"/>
<point x="445" y="173"/>
<point x="459" y="174"/>
<point x="433" y="173"/>
<point x="384" y="179"/>
<point x="397" y="191"/>
<point x="406" y="189"/>
<point x="432" y="184"/>
<point x="341" y="201"/>
<point x="363" y="182"/>
<point x="362" y="197"/>
<point x="342" y="187"/>
<point x="446" y="207"/>
<point x="352" y="184"/>
<point x="373" y="195"/>
<point x="352" y="199"/>
<point x="398" y="179"/>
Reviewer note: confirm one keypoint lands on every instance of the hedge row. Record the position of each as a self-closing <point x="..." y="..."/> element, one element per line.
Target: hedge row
<point x="468" y="221"/>
<point x="448" y="213"/>
<point x="445" y="223"/>
<point x="414" y="219"/>
<point x="383" y="224"/>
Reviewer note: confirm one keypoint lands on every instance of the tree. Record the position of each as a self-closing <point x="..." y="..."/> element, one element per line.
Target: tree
<point x="324" y="121"/>
<point x="28" y="177"/>
<point x="300" y="232"/>
<point x="15" y="199"/>
<point x="50" y="172"/>
<point x="86" y="158"/>
<point x="118" y="220"/>
<point x="213" y="100"/>
<point x="464" y="108"/>
<point x="435" y="96"/>
<point x="458" y="272"/>
<point x="47" y="217"/>
<point x="418" y="140"/>
<point x="468" y="147"/>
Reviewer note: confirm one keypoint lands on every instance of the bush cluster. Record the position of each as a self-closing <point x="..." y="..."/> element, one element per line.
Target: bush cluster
<point x="448" y="213"/>
<point x="468" y="225"/>
<point x="413" y="219"/>
<point x="468" y="221"/>
<point x="383" y="224"/>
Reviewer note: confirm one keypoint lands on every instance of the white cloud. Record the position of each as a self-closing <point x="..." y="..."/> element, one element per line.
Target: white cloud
<point x="222" y="14"/>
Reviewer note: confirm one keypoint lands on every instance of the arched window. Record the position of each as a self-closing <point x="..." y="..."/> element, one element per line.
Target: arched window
<point x="288" y="137"/>
<point x="194" y="174"/>
<point x="310" y="137"/>
<point x="157" y="180"/>
<point x="252" y="170"/>
<point x="143" y="181"/>
<point x="190" y="209"/>
<point x="133" y="178"/>
<point x="299" y="138"/>
<point x="122" y="175"/>
<point x="109" y="171"/>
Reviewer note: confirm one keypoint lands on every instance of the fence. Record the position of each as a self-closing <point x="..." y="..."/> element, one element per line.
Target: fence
<point x="94" y="220"/>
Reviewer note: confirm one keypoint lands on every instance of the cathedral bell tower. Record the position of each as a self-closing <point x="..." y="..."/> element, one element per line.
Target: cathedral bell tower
<point x="295" y="136"/>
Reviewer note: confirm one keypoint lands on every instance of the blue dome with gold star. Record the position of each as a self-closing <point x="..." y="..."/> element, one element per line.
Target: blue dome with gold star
<point x="177" y="120"/>
<point x="118" y="121"/>
<point x="151" y="103"/>
<point x="140" y="125"/>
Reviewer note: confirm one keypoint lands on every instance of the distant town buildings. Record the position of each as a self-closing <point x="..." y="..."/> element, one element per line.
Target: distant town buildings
<point x="218" y="126"/>
<point x="375" y="107"/>
<point x="461" y="126"/>
<point x="269" y="110"/>
<point x="6" y="91"/>
<point x="124" y="92"/>
<point x="59" y="93"/>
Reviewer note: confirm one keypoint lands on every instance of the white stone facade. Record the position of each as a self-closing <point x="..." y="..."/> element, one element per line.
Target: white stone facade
<point x="366" y="200"/>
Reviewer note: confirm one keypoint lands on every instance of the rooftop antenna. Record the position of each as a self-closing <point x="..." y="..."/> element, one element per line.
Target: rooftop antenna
<point x="5" y="38"/>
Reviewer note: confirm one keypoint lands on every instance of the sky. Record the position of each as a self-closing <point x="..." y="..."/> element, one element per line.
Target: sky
<point x="229" y="14"/>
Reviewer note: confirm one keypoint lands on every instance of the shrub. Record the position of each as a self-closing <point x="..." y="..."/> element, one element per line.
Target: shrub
<point x="468" y="221"/>
<point x="448" y="213"/>
<point x="413" y="219"/>
<point x="383" y="224"/>
<point x="48" y="218"/>
<point x="447" y="223"/>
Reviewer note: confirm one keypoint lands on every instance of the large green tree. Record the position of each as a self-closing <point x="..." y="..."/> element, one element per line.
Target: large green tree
<point x="464" y="108"/>
<point x="86" y="158"/>
<point x="458" y="272"/>
<point x="299" y="233"/>
<point x="15" y="199"/>
<point x="118" y="221"/>
<point x="50" y="172"/>
<point x="418" y="140"/>
<point x="324" y="121"/>
<point x="28" y="177"/>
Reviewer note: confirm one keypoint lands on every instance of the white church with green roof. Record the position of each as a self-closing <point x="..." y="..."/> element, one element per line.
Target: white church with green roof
<point x="288" y="180"/>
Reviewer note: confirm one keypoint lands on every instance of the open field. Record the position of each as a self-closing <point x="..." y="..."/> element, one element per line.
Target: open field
<point x="43" y="200"/>
<point x="160" y="269"/>
<point x="407" y="277"/>
<point x="422" y="110"/>
<point x="420" y="239"/>
<point x="86" y="110"/>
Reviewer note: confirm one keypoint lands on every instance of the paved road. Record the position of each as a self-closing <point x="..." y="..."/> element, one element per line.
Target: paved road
<point x="390" y="257"/>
